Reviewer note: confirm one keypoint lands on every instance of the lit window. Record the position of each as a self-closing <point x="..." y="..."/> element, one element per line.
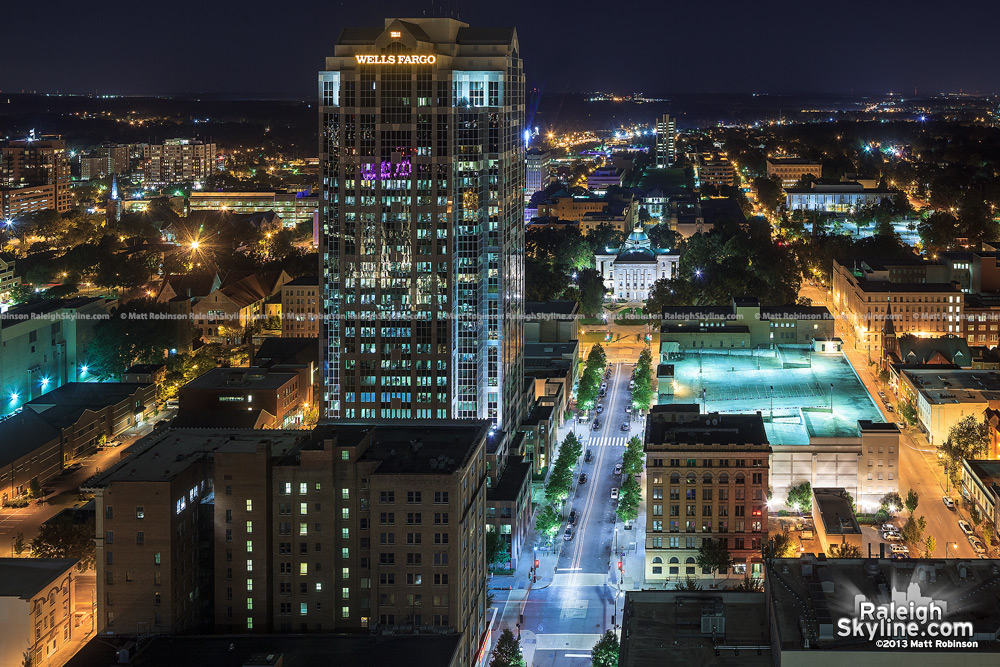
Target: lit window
<point x="249" y="604"/>
<point x="249" y="565"/>
<point x="319" y="586"/>
<point x="345" y="592"/>
<point x="249" y="585"/>
<point x="249" y="623"/>
<point x="249" y="546"/>
<point x="345" y="612"/>
<point x="303" y="488"/>
<point x="345" y="573"/>
<point x="345" y="533"/>
<point x="303" y="568"/>
<point x="249" y="506"/>
<point x="303" y="528"/>
<point x="249" y="526"/>
<point x="345" y="494"/>
<point x="303" y="608"/>
<point x="303" y="508"/>
<point x="345" y="553"/>
<point x="345" y="513"/>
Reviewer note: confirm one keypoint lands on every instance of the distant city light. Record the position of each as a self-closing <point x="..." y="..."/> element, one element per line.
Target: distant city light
<point x="697" y="273"/>
<point x="195" y="245"/>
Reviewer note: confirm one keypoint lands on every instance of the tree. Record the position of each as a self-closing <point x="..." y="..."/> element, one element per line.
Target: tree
<point x="642" y="392"/>
<point x="34" y="488"/>
<point x="592" y="291"/>
<point x="131" y="335"/>
<point x="913" y="530"/>
<point x="974" y="516"/>
<point x="968" y="439"/>
<point x="605" y="651"/>
<point x="661" y="236"/>
<point x="559" y="483"/>
<point x="634" y="456"/>
<point x="938" y="231"/>
<point x="768" y="192"/>
<point x="496" y="548"/>
<point x="629" y="498"/>
<point x="929" y="545"/>
<point x="547" y="522"/>
<point x="507" y="652"/>
<point x="714" y="556"/>
<point x="845" y="551"/>
<point x="912" y="499"/>
<point x="19" y="544"/>
<point x="780" y="545"/>
<point x="690" y="584"/>
<point x="800" y="497"/>
<point x="62" y="537"/>
<point x="605" y="236"/>
<point x="908" y="411"/>
<point x="891" y="502"/>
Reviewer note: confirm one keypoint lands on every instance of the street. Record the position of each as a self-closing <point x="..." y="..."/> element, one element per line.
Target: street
<point x="563" y="620"/>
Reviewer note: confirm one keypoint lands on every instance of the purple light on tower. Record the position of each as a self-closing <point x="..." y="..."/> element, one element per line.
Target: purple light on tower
<point x="386" y="170"/>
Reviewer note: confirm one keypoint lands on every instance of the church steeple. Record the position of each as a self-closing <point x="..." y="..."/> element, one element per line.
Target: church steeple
<point x="888" y="328"/>
<point x="113" y="211"/>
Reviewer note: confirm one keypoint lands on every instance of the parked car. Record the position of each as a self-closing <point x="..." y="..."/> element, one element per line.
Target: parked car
<point x="977" y="545"/>
<point x="602" y="393"/>
<point x="597" y="425"/>
<point x="631" y="385"/>
<point x="966" y="528"/>
<point x="588" y="456"/>
<point x="604" y="386"/>
<point x="899" y="549"/>
<point x="572" y="517"/>
<point x="892" y="537"/>
<point x="628" y="409"/>
<point x="74" y="467"/>
<point x="618" y="469"/>
<point x="888" y="527"/>
<point x="625" y="427"/>
<point x="949" y="503"/>
<point x="888" y="407"/>
<point x="614" y="493"/>
<point x="600" y="408"/>
<point x="568" y="535"/>
<point x="583" y="478"/>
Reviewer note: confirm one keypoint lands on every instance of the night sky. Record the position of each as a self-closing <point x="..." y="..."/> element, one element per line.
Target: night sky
<point x="262" y="46"/>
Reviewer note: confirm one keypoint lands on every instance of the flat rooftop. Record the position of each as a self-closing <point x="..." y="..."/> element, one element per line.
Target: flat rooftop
<point x="241" y="378"/>
<point x="25" y="577"/>
<point x="162" y="455"/>
<point x="663" y="428"/>
<point x="791" y="387"/>
<point x="835" y="511"/>
<point x="944" y="386"/>
<point x="88" y="394"/>
<point x="809" y="596"/>
<point x="666" y="628"/>
<point x="300" y="651"/>
<point x="426" y="447"/>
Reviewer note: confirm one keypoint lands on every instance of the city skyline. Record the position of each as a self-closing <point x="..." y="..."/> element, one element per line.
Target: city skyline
<point x="955" y="57"/>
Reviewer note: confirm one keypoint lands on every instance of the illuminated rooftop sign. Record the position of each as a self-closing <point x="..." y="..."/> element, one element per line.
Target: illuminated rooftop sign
<point x="396" y="60"/>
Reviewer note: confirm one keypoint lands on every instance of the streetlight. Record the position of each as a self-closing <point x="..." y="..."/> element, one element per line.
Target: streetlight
<point x="952" y="544"/>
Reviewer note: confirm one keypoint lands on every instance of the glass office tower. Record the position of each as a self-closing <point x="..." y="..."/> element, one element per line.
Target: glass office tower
<point x="422" y="233"/>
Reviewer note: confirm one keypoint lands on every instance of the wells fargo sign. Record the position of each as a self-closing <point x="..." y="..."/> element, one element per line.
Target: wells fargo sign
<point x="396" y="60"/>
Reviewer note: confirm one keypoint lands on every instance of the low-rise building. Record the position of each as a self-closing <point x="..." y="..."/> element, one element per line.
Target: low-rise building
<point x="707" y="479"/>
<point x="603" y="178"/>
<point x="833" y="517"/>
<point x="683" y="627"/>
<point x="551" y="321"/>
<point x="791" y="169"/>
<point x="248" y="390"/>
<point x="834" y="197"/>
<point x="743" y="325"/>
<point x="294" y="208"/>
<point x="37" y="608"/>
<point x="944" y="396"/>
<point x="8" y="281"/>
<point x="815" y="608"/>
<point x="224" y="315"/>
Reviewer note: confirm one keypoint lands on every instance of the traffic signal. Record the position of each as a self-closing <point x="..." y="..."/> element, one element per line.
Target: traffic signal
<point x="536" y="563"/>
<point x="619" y="566"/>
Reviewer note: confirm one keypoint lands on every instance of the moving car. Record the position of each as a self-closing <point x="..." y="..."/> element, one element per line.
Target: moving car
<point x="966" y="528"/>
<point x="949" y="503"/>
<point x="572" y="517"/>
<point x="74" y="467"/>
<point x="977" y="545"/>
<point x="597" y="425"/>
<point x="625" y="426"/>
<point x="583" y="478"/>
<point x="618" y="469"/>
<point x="568" y="535"/>
<point x="614" y="493"/>
<point x="588" y="456"/>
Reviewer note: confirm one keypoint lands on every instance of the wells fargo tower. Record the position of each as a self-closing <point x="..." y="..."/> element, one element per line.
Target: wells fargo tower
<point x="422" y="240"/>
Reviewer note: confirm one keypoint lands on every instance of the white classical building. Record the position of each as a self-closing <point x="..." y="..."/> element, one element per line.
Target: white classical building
<point x="631" y="270"/>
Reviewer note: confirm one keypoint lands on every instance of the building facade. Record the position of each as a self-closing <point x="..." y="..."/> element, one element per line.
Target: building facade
<point x="178" y="161"/>
<point x="833" y="197"/>
<point x="707" y="479"/>
<point x="34" y="176"/>
<point x="630" y="272"/>
<point x="536" y="172"/>
<point x="37" y="608"/>
<point x="715" y="170"/>
<point x="294" y="208"/>
<point x="300" y="309"/>
<point x="422" y="172"/>
<point x="666" y="141"/>
<point x="791" y="169"/>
